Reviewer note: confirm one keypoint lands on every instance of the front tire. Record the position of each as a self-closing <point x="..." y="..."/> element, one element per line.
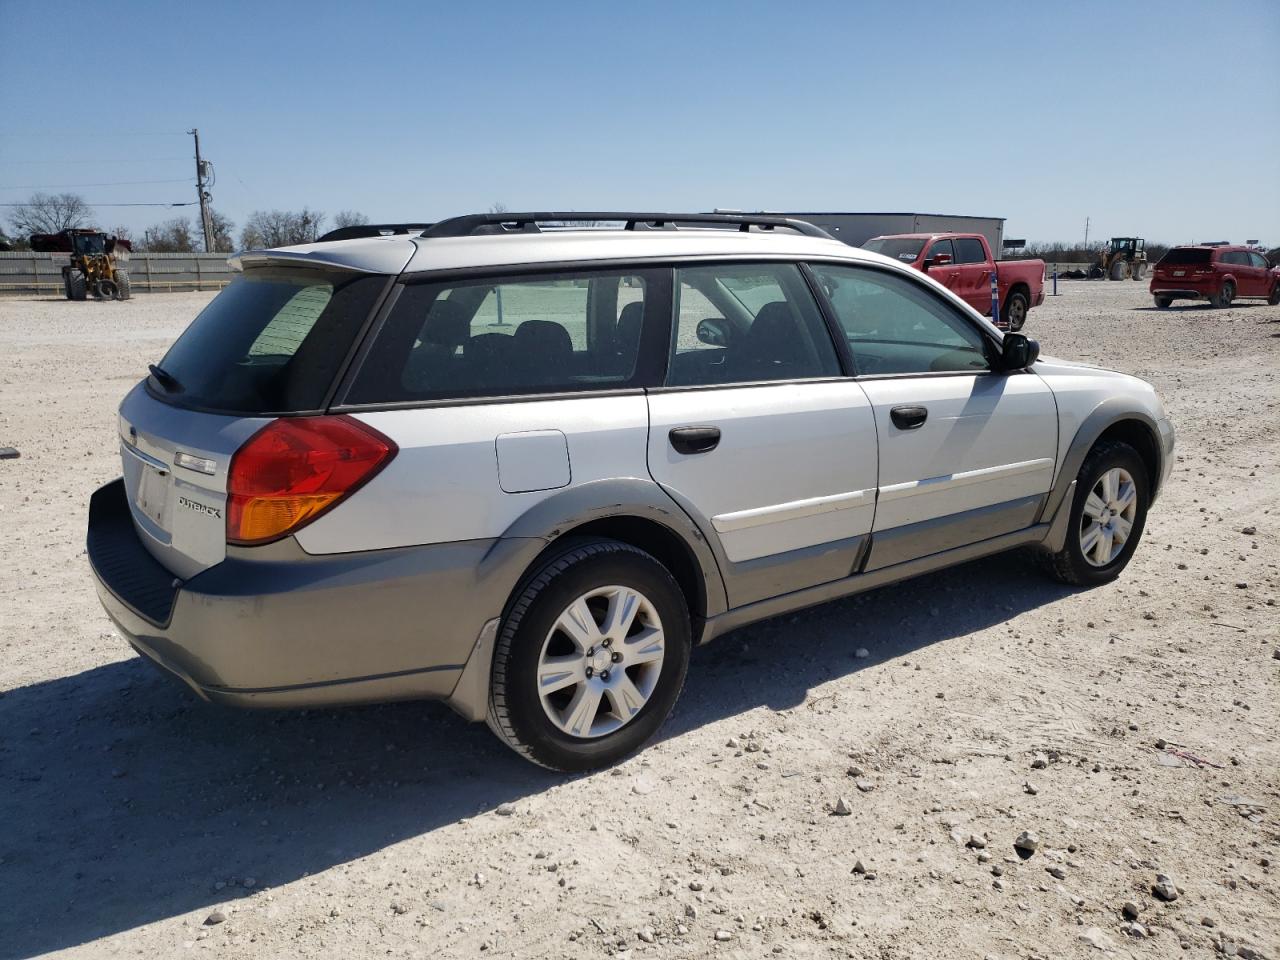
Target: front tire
<point x="77" y="286"/>
<point x="1274" y="299"/>
<point x="591" y="657"/>
<point x="122" y="285"/>
<point x="1015" y="311"/>
<point x="1108" y="515"/>
<point x="1223" y="297"/>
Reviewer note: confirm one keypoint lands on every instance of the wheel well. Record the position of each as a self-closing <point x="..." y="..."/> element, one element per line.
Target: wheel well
<point x="1021" y="288"/>
<point x="1137" y="435"/>
<point x="664" y="544"/>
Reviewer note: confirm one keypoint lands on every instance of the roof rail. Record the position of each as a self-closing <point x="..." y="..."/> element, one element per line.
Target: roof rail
<point x="359" y="230"/>
<point x="491" y="223"/>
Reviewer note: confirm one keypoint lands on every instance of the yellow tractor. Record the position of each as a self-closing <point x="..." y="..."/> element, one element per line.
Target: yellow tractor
<point x="97" y="263"/>
<point x="1125" y="258"/>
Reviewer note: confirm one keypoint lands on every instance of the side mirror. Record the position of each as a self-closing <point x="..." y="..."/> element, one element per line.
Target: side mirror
<point x="941" y="260"/>
<point x="714" y="331"/>
<point x="1018" y="352"/>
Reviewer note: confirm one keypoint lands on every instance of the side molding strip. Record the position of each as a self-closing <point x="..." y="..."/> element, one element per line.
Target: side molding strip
<point x="897" y="491"/>
<point x="793" y="510"/>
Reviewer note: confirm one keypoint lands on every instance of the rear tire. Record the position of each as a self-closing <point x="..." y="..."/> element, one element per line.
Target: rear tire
<point x="1164" y="302"/>
<point x="1015" y="311"/>
<point x="1094" y="552"/>
<point x="77" y="288"/>
<point x="1223" y="297"/>
<point x="1139" y="271"/>
<point x="122" y="285"/>
<point x="601" y="710"/>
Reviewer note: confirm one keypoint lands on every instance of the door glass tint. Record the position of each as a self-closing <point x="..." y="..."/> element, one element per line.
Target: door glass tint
<point x="894" y="325"/>
<point x="548" y="333"/>
<point x="747" y="322"/>
<point x="969" y="250"/>
<point x="1258" y="260"/>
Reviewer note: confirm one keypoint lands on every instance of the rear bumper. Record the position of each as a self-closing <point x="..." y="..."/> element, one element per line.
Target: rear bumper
<point x="276" y="627"/>
<point x="1180" y="293"/>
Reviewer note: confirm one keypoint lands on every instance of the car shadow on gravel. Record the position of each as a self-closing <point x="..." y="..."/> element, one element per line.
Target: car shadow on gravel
<point x="125" y="800"/>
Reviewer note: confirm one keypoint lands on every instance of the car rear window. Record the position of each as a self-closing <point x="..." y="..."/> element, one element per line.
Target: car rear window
<point x="271" y="342"/>
<point x="539" y="333"/>
<point x="900" y="248"/>
<point x="1181" y="256"/>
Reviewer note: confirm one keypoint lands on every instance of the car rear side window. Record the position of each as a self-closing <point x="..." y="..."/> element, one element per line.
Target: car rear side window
<point x="741" y="323"/>
<point x="272" y="342"/>
<point x="969" y="250"/>
<point x="543" y="333"/>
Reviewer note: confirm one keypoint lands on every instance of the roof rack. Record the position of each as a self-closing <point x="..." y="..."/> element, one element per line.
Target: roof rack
<point x="499" y="223"/>
<point x="360" y="230"/>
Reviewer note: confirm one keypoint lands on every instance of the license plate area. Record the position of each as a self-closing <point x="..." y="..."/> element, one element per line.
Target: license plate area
<point x="1179" y="273"/>
<point x="152" y="497"/>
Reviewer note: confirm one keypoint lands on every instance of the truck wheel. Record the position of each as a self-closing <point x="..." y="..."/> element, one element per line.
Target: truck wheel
<point x="1107" y="516"/>
<point x="122" y="285"/>
<point x="1163" y="302"/>
<point x="1015" y="311"/>
<point x="77" y="289"/>
<point x="1119" y="270"/>
<point x="1139" y="271"/>
<point x="590" y="658"/>
<point x="1224" y="296"/>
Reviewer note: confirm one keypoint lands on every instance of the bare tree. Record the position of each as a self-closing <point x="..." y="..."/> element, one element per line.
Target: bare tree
<point x="50" y="213"/>
<point x="349" y="218"/>
<point x="172" y="236"/>
<point x="499" y="208"/>
<point x="223" y="232"/>
<point x="281" y="228"/>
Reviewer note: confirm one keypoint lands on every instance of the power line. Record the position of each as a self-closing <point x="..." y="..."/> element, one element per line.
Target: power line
<point x="109" y="183"/>
<point x="102" y="161"/>
<point x="191" y="203"/>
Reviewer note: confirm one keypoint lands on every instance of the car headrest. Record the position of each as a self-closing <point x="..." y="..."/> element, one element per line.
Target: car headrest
<point x="629" y="321"/>
<point x="543" y="339"/>
<point x="774" y="336"/>
<point x="448" y="324"/>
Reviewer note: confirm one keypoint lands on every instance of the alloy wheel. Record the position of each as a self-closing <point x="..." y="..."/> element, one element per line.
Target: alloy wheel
<point x="600" y="661"/>
<point x="1109" y="514"/>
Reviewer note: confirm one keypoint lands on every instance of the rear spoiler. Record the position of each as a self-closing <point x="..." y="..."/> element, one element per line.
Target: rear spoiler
<point x="350" y="261"/>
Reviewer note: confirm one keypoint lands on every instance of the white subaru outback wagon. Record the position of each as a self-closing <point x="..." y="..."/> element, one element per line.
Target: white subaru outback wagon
<point x="523" y="465"/>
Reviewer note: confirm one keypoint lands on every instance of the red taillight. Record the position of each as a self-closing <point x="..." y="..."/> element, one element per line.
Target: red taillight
<point x="293" y="470"/>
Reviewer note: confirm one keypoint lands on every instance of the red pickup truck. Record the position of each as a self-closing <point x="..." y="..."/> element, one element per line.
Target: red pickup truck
<point x="962" y="263"/>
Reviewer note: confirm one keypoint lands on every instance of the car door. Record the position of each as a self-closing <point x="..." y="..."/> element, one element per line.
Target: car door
<point x="973" y="269"/>
<point x="946" y="274"/>
<point x="758" y="435"/>
<point x="966" y="453"/>
<point x="1257" y="275"/>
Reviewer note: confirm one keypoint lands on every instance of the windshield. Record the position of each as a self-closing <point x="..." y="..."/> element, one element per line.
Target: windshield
<point x="900" y="248"/>
<point x="271" y="342"/>
<point x="1185" y="255"/>
<point x="91" y="245"/>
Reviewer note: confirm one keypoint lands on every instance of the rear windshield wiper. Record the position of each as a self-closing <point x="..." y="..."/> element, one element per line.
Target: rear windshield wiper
<point x="165" y="378"/>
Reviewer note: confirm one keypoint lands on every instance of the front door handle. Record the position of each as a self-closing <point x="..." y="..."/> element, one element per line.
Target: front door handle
<point x="694" y="439"/>
<point x="908" y="418"/>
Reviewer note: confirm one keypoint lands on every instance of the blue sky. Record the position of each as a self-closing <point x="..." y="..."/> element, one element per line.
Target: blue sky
<point x="1156" y="119"/>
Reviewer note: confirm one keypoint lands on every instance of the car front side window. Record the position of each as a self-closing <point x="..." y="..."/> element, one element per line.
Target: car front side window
<point x="895" y="326"/>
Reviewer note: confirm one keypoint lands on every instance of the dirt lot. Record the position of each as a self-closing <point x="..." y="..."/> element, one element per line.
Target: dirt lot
<point x="992" y="701"/>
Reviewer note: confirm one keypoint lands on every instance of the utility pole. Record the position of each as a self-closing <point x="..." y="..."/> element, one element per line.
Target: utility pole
<point x="1086" y="224"/>
<point x="202" y="168"/>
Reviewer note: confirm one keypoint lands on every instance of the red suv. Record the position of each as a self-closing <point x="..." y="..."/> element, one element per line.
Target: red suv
<point x="1218" y="274"/>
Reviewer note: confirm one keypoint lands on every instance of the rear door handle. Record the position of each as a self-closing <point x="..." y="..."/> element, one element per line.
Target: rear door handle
<point x="694" y="439"/>
<point x="908" y="418"/>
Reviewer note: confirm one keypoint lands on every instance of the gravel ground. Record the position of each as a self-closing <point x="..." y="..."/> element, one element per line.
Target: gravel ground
<point x="1132" y="729"/>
